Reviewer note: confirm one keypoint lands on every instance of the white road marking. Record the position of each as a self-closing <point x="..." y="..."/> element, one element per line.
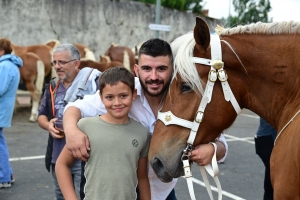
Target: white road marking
<point x="27" y="158"/>
<point x="213" y="188"/>
<point x="233" y="138"/>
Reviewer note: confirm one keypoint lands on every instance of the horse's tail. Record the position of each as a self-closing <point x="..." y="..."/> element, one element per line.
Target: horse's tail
<point x="89" y="55"/>
<point x="53" y="73"/>
<point x="39" y="83"/>
<point x="126" y="61"/>
<point x="36" y="96"/>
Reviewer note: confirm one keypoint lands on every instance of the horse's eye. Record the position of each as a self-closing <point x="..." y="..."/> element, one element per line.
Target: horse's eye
<point x="185" y="87"/>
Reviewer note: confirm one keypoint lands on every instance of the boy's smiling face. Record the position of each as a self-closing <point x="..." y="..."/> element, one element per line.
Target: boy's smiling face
<point x="117" y="100"/>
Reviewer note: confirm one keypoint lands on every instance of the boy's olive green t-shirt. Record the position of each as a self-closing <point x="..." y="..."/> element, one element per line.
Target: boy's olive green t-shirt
<point x="110" y="172"/>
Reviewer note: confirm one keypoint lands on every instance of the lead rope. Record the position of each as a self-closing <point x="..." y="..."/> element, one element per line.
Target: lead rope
<point x="216" y="72"/>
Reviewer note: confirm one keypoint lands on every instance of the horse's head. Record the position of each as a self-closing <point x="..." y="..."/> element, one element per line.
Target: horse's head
<point x="183" y="100"/>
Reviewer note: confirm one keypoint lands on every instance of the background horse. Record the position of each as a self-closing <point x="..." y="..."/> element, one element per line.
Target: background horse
<point x="121" y="54"/>
<point x="85" y="52"/>
<point x="32" y="75"/>
<point x="261" y="61"/>
<point x="43" y="52"/>
<point x="99" y="65"/>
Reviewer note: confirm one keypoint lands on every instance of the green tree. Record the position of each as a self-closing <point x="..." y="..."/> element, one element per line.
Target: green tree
<point x="195" y="6"/>
<point x="250" y="11"/>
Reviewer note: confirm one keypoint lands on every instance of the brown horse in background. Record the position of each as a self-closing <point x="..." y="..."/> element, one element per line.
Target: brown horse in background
<point x="263" y="70"/>
<point x="85" y="52"/>
<point x="121" y="54"/>
<point x="32" y="75"/>
<point x="101" y="66"/>
<point x="43" y="52"/>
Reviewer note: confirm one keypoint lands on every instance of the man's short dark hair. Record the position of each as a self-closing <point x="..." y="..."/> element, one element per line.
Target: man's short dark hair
<point x="114" y="75"/>
<point x="156" y="47"/>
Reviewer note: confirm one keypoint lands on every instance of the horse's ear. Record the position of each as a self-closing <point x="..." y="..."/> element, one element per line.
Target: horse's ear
<point x="201" y="33"/>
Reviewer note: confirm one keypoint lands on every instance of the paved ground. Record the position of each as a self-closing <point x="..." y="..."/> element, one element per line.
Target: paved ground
<point x="241" y="176"/>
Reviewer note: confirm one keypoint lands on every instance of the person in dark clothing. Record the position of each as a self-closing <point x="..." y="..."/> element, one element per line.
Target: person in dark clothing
<point x="264" y="142"/>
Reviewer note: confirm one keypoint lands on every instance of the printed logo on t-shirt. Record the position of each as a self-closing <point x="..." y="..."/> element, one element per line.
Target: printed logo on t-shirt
<point x="135" y="143"/>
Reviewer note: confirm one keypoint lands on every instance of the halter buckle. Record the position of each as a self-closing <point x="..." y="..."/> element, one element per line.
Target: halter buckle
<point x="222" y="75"/>
<point x="212" y="75"/>
<point x="198" y="118"/>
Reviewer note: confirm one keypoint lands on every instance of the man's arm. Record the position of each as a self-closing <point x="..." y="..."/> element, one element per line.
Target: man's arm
<point x="203" y="153"/>
<point x="143" y="181"/>
<point x="76" y="141"/>
<point x="63" y="174"/>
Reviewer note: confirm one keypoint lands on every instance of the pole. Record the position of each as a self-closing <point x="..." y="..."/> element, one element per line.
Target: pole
<point x="157" y="17"/>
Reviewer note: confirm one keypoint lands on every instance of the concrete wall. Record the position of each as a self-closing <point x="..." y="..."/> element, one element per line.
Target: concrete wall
<point x="95" y="23"/>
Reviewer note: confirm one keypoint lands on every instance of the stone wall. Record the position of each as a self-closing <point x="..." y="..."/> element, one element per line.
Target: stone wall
<point x="95" y="23"/>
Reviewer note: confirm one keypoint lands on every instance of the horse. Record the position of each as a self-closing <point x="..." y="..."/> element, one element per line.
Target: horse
<point x="43" y="52"/>
<point x="121" y="54"/>
<point x="262" y="75"/>
<point x="101" y="66"/>
<point x="85" y="52"/>
<point x="135" y="51"/>
<point x="32" y="74"/>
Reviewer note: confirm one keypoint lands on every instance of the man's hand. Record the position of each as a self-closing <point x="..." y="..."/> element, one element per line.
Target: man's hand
<point x="78" y="144"/>
<point x="52" y="130"/>
<point x="202" y="154"/>
<point x="76" y="141"/>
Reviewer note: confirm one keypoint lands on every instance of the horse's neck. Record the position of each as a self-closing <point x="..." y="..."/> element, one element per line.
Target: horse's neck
<point x="270" y="77"/>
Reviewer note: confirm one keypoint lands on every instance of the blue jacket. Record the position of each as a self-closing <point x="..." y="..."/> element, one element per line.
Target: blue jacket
<point x="9" y="82"/>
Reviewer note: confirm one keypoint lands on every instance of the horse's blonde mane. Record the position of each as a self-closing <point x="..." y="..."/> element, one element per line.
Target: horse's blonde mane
<point x="261" y="28"/>
<point x="183" y="48"/>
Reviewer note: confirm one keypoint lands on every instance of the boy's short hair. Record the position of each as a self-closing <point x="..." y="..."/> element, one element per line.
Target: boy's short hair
<point x="5" y="45"/>
<point x="114" y="75"/>
<point x="156" y="47"/>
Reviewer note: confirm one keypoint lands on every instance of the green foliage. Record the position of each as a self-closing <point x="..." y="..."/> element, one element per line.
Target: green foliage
<point x="250" y="11"/>
<point x="194" y="5"/>
<point x="182" y="5"/>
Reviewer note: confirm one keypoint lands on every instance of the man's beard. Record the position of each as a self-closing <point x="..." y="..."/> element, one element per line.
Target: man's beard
<point x="163" y="90"/>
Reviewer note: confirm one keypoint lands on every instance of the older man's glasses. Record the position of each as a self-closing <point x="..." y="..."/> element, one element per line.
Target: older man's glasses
<point x="60" y="62"/>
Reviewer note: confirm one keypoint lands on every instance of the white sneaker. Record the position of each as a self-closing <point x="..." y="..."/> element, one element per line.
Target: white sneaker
<point x="5" y="185"/>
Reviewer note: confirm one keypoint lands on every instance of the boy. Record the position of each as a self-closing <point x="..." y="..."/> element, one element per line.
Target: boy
<point x="119" y="146"/>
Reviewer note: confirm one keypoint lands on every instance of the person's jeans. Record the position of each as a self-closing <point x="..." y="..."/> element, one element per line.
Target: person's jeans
<point x="5" y="169"/>
<point x="76" y="175"/>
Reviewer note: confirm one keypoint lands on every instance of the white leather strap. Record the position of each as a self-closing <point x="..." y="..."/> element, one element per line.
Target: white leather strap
<point x="169" y="118"/>
<point x="202" y="61"/>
<point x="213" y="171"/>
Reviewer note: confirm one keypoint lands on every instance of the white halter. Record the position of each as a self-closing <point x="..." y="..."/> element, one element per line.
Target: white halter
<point x="216" y="72"/>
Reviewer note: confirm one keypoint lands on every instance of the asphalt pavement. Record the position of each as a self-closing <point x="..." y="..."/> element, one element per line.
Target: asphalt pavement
<point x="241" y="175"/>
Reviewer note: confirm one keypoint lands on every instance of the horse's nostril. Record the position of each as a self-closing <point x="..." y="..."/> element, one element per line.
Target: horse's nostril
<point x="157" y="164"/>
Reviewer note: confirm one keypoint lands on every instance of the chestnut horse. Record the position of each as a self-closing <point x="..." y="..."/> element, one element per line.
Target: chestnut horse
<point x="43" y="52"/>
<point x="121" y="54"/>
<point x="32" y="75"/>
<point x="85" y="52"/>
<point x="263" y="70"/>
<point x="101" y="66"/>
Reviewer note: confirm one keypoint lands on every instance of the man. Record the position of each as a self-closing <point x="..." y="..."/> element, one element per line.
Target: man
<point x="66" y="60"/>
<point x="154" y="71"/>
<point x="10" y="79"/>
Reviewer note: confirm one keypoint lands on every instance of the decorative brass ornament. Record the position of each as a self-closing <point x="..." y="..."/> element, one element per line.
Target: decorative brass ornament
<point x="168" y="118"/>
<point x="217" y="64"/>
